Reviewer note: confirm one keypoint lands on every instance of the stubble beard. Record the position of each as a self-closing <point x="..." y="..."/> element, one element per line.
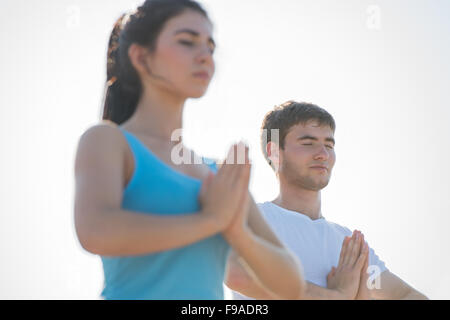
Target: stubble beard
<point x="296" y="178"/>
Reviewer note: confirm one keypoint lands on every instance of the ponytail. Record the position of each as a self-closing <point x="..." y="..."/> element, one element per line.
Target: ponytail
<point x="123" y="89"/>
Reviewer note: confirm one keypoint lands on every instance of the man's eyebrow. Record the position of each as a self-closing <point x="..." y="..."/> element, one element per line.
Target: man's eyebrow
<point x="308" y="137"/>
<point x="195" y="34"/>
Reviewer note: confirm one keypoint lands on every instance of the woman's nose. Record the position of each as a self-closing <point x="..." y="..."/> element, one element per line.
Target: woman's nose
<point x="205" y="56"/>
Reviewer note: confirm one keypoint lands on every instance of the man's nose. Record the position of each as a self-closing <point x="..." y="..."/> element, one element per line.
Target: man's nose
<point x="322" y="153"/>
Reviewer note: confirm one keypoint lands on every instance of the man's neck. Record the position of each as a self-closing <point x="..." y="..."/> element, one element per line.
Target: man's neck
<point x="303" y="201"/>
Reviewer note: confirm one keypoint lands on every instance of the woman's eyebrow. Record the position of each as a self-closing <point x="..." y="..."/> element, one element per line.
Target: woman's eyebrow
<point x="194" y="33"/>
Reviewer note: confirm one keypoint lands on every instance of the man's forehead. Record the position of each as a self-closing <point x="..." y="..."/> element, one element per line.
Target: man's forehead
<point x="312" y="126"/>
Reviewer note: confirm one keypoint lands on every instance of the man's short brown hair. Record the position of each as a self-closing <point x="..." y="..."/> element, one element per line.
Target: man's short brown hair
<point x="287" y="115"/>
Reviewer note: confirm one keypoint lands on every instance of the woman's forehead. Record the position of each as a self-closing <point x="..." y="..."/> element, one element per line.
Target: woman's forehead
<point x="189" y="20"/>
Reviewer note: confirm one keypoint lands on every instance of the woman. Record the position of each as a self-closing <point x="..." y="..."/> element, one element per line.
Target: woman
<point x="165" y="231"/>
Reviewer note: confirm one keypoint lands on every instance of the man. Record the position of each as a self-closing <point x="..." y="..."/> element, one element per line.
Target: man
<point x="298" y="143"/>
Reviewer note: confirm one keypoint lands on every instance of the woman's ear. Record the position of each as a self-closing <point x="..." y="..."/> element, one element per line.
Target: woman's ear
<point x="139" y="59"/>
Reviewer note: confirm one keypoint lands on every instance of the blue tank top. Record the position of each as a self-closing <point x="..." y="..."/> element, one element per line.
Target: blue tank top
<point x="195" y="271"/>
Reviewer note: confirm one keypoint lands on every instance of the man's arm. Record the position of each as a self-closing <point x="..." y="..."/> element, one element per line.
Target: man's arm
<point x="394" y="288"/>
<point x="240" y="279"/>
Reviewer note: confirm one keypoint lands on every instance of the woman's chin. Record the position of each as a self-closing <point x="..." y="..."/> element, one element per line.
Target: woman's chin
<point x="197" y="93"/>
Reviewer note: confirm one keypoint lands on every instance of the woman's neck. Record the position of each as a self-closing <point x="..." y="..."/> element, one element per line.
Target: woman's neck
<point x="158" y="114"/>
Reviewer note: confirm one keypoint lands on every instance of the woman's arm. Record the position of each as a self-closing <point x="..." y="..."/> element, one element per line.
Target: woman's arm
<point x="104" y="228"/>
<point x="239" y="278"/>
<point x="265" y="258"/>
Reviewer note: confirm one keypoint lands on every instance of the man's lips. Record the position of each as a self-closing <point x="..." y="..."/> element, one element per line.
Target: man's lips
<point x="202" y="75"/>
<point x="319" y="167"/>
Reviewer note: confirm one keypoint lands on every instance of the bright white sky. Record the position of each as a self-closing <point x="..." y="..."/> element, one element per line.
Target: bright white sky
<point x="381" y="68"/>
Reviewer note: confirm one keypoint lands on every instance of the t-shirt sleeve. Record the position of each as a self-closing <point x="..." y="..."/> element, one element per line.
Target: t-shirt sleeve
<point x="238" y="296"/>
<point x="376" y="262"/>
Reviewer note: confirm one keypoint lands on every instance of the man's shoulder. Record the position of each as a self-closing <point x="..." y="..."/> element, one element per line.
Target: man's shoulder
<point x="267" y="208"/>
<point x="340" y="228"/>
<point x="276" y="214"/>
<point x="263" y="205"/>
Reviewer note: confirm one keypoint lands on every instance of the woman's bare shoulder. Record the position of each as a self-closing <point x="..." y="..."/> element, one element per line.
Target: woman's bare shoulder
<point x="105" y="132"/>
<point x="103" y="140"/>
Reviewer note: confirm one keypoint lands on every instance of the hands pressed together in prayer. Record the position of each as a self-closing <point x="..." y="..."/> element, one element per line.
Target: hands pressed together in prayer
<point x="350" y="277"/>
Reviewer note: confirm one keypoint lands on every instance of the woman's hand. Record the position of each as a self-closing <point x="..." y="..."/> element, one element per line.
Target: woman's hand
<point x="239" y="223"/>
<point x="222" y="196"/>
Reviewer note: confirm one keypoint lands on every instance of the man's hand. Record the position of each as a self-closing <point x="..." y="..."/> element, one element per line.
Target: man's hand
<point x="345" y="279"/>
<point x="364" y="291"/>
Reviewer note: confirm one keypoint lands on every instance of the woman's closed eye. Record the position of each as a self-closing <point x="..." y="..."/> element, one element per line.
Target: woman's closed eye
<point x="186" y="43"/>
<point x="192" y="44"/>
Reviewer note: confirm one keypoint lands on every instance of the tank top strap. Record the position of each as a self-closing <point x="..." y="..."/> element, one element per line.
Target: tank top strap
<point x="211" y="163"/>
<point x="139" y="150"/>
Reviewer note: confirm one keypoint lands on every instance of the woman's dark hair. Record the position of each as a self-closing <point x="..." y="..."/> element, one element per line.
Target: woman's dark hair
<point x="123" y="86"/>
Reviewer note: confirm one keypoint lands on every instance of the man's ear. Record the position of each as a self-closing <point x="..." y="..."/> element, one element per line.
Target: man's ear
<point x="273" y="153"/>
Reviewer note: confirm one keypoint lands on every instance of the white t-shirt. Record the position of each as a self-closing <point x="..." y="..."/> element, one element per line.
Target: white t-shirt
<point x="317" y="243"/>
